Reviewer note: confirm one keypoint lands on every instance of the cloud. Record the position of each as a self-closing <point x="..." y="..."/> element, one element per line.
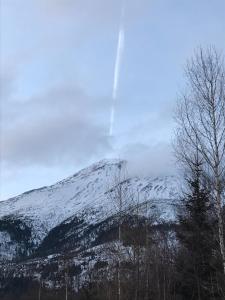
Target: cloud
<point x="149" y="160"/>
<point x="97" y="11"/>
<point x="61" y="126"/>
<point x="47" y="124"/>
<point x="7" y="79"/>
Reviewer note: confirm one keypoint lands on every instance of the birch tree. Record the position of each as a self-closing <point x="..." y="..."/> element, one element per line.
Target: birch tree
<point x="119" y="195"/>
<point x="201" y="124"/>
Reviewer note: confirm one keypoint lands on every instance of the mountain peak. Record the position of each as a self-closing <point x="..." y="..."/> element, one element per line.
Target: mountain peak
<point x="85" y="196"/>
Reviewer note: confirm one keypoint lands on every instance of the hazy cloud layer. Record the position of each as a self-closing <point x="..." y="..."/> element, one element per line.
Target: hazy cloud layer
<point x="62" y="126"/>
<point x="57" y="61"/>
<point x="149" y="160"/>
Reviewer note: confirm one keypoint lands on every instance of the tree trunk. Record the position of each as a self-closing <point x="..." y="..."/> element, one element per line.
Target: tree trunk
<point x="220" y="228"/>
<point x="39" y="291"/>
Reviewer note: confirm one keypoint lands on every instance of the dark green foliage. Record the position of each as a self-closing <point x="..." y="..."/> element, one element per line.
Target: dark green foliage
<point x="16" y="228"/>
<point x="26" y="289"/>
<point x="74" y="234"/>
<point x="61" y="238"/>
<point x="196" y="260"/>
<point x="20" y="234"/>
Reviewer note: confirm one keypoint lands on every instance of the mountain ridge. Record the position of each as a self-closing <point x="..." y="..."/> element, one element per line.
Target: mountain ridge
<point x="84" y="195"/>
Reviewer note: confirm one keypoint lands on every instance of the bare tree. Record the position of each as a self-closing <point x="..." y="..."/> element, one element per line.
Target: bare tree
<point x="118" y="195"/>
<point x="40" y="287"/>
<point x="201" y="124"/>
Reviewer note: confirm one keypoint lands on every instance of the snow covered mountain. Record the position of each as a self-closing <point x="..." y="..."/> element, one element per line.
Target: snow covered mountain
<point x="41" y="218"/>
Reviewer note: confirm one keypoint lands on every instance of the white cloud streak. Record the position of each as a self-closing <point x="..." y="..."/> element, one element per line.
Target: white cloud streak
<point x="119" y="55"/>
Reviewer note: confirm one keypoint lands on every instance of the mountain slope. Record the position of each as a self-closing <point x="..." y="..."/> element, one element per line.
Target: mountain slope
<point x="84" y="199"/>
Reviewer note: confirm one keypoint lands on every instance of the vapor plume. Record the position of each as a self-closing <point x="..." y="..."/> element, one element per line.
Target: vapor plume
<point x="118" y="62"/>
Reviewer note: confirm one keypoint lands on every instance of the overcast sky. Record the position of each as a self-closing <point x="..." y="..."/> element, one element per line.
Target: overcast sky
<point x="57" y="68"/>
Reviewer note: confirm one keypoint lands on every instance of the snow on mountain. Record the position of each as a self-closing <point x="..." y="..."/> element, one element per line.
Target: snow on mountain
<point x="84" y="193"/>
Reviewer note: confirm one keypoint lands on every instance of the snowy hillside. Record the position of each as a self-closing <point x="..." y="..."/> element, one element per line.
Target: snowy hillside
<point x="85" y="194"/>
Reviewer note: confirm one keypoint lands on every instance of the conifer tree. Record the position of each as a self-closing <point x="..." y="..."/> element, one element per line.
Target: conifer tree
<point x="195" y="233"/>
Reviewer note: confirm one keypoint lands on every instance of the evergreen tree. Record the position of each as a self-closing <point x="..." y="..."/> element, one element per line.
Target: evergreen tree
<point x="195" y="233"/>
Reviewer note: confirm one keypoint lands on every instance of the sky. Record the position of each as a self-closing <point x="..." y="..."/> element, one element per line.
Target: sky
<point x="57" y="60"/>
